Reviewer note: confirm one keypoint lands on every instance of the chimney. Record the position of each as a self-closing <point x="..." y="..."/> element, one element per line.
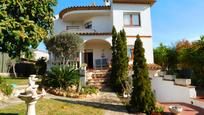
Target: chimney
<point x="107" y="2"/>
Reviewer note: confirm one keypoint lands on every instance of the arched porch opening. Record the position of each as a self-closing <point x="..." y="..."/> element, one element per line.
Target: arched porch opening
<point x="97" y="54"/>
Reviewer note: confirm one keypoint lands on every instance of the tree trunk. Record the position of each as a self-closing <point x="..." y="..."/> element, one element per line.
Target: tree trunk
<point x="14" y="70"/>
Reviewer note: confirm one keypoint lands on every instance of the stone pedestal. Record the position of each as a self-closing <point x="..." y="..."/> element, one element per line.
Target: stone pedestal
<point x="31" y="108"/>
<point x="30" y="96"/>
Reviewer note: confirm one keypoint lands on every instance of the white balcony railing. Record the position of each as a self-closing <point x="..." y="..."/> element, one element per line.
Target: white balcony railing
<point x="78" y="29"/>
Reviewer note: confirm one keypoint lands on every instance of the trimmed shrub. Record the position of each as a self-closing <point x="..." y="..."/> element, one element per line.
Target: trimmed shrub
<point x="41" y="66"/>
<point x="89" y="90"/>
<point x="61" y="77"/>
<point x="142" y="98"/>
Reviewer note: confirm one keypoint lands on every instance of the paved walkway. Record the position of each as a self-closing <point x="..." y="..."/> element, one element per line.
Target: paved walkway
<point x="188" y="109"/>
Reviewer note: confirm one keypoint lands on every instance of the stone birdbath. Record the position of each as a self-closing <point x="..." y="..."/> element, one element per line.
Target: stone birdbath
<point x="175" y="109"/>
<point x="30" y="96"/>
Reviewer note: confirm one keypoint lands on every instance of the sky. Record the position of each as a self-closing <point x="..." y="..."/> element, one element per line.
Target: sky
<point x="172" y="20"/>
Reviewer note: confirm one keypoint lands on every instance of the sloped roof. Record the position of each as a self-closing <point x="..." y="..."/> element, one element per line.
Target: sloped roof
<point x="151" y="2"/>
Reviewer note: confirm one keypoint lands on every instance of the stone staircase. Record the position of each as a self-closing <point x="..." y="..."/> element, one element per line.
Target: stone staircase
<point x="98" y="78"/>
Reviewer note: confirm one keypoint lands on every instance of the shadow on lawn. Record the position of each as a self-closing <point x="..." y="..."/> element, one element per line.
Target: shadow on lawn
<point x="8" y="113"/>
<point x="112" y="107"/>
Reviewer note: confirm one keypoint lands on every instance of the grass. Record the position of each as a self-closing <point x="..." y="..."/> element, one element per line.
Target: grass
<point x="17" y="81"/>
<point x="53" y="107"/>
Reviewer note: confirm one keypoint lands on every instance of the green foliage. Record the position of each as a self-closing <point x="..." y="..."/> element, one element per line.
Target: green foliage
<point x="41" y="66"/>
<point x="161" y="56"/>
<point x="24" y="23"/>
<point x="159" y="109"/>
<point x="187" y="58"/>
<point x="2" y="80"/>
<point x="114" y="57"/>
<point x="119" y="74"/>
<point x="4" y="87"/>
<point x="61" y="77"/>
<point x="89" y="90"/>
<point x="142" y="98"/>
<point x="196" y="61"/>
<point x="64" y="44"/>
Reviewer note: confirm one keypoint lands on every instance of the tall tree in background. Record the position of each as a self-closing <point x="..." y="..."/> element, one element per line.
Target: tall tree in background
<point x="114" y="57"/>
<point x="161" y="56"/>
<point x="24" y="24"/>
<point x="142" y="98"/>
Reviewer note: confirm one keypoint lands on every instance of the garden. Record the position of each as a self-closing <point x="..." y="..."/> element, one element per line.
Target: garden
<point x="184" y="59"/>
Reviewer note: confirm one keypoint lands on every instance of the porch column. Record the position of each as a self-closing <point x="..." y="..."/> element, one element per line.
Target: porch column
<point x="80" y="58"/>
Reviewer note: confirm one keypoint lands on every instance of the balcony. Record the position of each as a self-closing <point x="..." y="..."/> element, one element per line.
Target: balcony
<point x="79" y="29"/>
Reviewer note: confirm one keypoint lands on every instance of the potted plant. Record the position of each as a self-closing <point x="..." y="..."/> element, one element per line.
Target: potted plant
<point x="158" y="111"/>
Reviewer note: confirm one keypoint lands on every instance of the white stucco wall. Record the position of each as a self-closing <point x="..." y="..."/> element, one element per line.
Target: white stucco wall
<point x="107" y="38"/>
<point x="102" y="23"/>
<point x="99" y="24"/>
<point x="148" y="46"/>
<point x="166" y="91"/>
<point x="39" y="53"/>
<point x="144" y="30"/>
<point x="59" y="25"/>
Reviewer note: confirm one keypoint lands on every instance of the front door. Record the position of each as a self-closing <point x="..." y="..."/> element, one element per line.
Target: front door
<point x="88" y="59"/>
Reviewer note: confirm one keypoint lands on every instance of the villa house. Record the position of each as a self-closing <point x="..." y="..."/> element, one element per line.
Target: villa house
<point x="94" y="24"/>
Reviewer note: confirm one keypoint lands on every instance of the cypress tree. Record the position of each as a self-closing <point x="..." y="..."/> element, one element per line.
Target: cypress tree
<point x="142" y="98"/>
<point x="114" y="56"/>
<point x="122" y="62"/>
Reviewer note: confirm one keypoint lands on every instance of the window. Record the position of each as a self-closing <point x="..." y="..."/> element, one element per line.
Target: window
<point x="130" y="53"/>
<point x="131" y="19"/>
<point x="88" y="25"/>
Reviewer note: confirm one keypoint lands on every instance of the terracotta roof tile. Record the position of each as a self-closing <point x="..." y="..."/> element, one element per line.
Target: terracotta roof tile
<point x="151" y="2"/>
<point x="150" y="67"/>
<point x="94" y="33"/>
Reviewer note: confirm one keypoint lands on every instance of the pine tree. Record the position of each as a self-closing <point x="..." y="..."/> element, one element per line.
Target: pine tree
<point x="142" y="98"/>
<point x="114" y="56"/>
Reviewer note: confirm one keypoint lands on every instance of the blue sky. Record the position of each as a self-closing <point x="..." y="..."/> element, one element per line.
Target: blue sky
<point x="172" y="20"/>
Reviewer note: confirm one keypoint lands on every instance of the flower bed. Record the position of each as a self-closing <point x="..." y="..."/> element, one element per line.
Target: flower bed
<point x="86" y="92"/>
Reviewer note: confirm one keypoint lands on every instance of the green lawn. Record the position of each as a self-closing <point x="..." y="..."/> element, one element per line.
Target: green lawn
<point x="53" y="107"/>
<point x="17" y="81"/>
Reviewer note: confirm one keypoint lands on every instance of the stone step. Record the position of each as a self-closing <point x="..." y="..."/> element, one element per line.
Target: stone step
<point x="99" y="75"/>
<point x="100" y="86"/>
<point x="98" y="79"/>
<point x="97" y="83"/>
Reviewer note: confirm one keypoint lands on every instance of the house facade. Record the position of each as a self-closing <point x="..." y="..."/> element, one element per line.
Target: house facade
<point x="94" y="24"/>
